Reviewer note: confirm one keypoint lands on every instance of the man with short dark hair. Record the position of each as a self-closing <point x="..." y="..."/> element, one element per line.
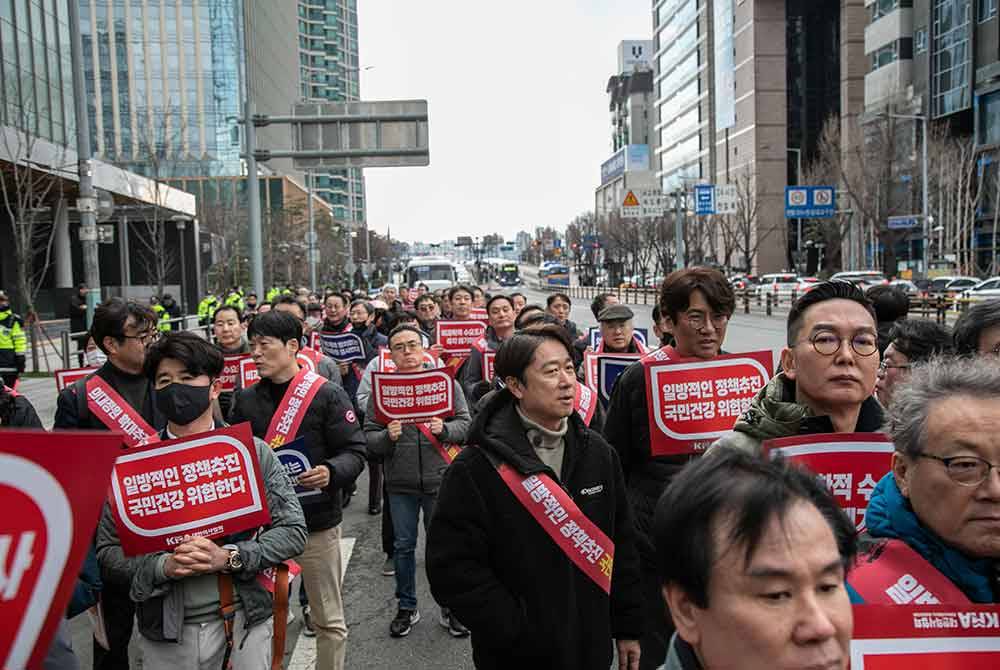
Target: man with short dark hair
<point x="123" y="330"/>
<point x="415" y="457"/>
<point x="559" y="305"/>
<point x="661" y="328"/>
<point x="502" y="548"/>
<point x="828" y="376"/>
<point x="911" y="342"/>
<point x="519" y="301"/>
<point x="977" y="332"/>
<point x="698" y="303"/>
<point x="362" y="314"/>
<point x="325" y="366"/>
<point x="426" y="309"/>
<point x="336" y="313"/>
<point x="891" y="304"/>
<point x="752" y="556"/>
<point x="177" y="595"/>
<point x="475" y="383"/>
<point x="290" y="402"/>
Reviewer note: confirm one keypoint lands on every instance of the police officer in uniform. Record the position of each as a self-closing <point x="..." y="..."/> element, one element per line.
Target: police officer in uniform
<point x="13" y="343"/>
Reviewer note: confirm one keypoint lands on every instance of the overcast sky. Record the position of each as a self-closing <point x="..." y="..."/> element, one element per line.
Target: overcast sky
<point x="519" y="121"/>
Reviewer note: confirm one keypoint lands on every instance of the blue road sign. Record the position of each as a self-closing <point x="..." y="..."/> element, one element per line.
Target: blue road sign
<point x="810" y="202"/>
<point x="704" y="199"/>
<point x="903" y="222"/>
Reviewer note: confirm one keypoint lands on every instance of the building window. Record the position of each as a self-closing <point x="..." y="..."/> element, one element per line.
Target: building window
<point x="987" y="10"/>
<point x="884" y="56"/>
<point x="920" y="40"/>
<point x="989" y="118"/>
<point x="951" y="57"/>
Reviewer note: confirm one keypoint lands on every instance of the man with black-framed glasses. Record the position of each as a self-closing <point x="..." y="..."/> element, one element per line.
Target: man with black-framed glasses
<point x="933" y="522"/>
<point x="123" y="330"/>
<point x="828" y="373"/>
<point x="911" y="342"/>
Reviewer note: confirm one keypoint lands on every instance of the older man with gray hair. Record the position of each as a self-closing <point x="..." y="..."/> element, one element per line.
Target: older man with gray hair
<point x="935" y="518"/>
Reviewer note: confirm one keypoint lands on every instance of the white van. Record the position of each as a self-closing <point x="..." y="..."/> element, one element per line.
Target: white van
<point x="432" y="271"/>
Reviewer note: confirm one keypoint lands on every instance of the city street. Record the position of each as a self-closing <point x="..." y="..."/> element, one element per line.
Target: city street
<point x="369" y="597"/>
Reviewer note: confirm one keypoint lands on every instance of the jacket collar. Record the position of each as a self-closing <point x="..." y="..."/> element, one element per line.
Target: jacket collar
<point x="890" y="515"/>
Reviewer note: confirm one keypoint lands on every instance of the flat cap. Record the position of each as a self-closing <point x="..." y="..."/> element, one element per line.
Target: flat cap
<point x="615" y="313"/>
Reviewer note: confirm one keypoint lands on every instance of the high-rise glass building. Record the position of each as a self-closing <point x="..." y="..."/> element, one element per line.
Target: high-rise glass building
<point x="328" y="70"/>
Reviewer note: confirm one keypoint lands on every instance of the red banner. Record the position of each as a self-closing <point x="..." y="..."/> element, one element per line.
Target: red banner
<point x="231" y="371"/>
<point x="694" y="402"/>
<point x="851" y="464"/>
<point x="489" y="359"/>
<point x="208" y="484"/>
<point x="937" y="637"/>
<point x="457" y="337"/>
<point x="66" y="377"/>
<point x="412" y="397"/>
<point x="52" y="488"/>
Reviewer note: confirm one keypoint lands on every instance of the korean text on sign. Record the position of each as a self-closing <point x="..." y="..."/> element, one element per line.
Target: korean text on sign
<point x="413" y="397"/>
<point x="206" y="485"/>
<point x="692" y="403"/>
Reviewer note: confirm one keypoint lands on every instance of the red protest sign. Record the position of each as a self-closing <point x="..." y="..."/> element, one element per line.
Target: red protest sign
<point x="248" y="373"/>
<point x="693" y="402"/>
<point x="479" y="313"/>
<point x="231" y="371"/>
<point x="851" y="464"/>
<point x="66" y="377"/>
<point x="457" y="337"/>
<point x="52" y="488"/>
<point x="386" y="364"/>
<point x="489" y="360"/>
<point x="942" y="637"/>
<point x="208" y="484"/>
<point x="412" y="397"/>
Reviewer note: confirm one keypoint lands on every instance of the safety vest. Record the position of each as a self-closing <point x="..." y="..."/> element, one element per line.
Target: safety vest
<point x="206" y="308"/>
<point x="235" y="300"/>
<point x="162" y="317"/>
<point x="273" y="293"/>
<point x="13" y="342"/>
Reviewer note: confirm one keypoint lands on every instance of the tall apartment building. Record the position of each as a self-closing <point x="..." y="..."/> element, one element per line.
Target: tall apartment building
<point x="328" y="70"/>
<point x="741" y="86"/>
<point x="630" y="104"/>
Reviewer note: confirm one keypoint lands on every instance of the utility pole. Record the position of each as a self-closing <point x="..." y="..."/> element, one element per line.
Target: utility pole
<point x="253" y="187"/>
<point x="678" y="228"/>
<point x="312" y="232"/>
<point x="926" y="211"/>
<point x="86" y="204"/>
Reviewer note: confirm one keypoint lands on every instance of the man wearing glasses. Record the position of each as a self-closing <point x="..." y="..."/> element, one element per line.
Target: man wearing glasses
<point x="697" y="302"/>
<point x="828" y="373"/>
<point x="123" y="330"/>
<point x="934" y="519"/>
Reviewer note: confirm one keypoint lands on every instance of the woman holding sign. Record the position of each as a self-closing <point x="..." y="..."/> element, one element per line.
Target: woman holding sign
<point x="415" y="454"/>
<point x="532" y="542"/>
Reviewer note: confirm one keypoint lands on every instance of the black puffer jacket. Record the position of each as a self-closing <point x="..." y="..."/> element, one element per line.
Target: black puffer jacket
<point x="16" y="411"/>
<point x="333" y="438"/>
<point x="525" y="602"/>
<point x="626" y="427"/>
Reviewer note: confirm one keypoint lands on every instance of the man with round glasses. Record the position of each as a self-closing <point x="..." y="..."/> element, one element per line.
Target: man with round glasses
<point x="934" y="521"/>
<point x="829" y="372"/>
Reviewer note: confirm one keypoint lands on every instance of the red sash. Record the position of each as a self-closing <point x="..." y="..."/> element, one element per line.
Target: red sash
<point x="447" y="450"/>
<point x="667" y="353"/>
<point x="309" y="357"/>
<point x="895" y="574"/>
<point x="585" y="402"/>
<point x="119" y="417"/>
<point x="288" y="417"/>
<point x="578" y="537"/>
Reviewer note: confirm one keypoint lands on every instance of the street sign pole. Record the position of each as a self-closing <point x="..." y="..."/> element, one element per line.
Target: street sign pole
<point x="87" y="203"/>
<point x="678" y="230"/>
<point x="312" y="232"/>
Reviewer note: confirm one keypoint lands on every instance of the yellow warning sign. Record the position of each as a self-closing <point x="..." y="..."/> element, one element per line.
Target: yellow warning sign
<point x="631" y="200"/>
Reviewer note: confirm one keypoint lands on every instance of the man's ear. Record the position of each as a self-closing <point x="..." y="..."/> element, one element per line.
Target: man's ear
<point x="110" y="345"/>
<point x="215" y="389"/>
<point x="515" y="386"/>
<point x="684" y="613"/>
<point x="788" y="363"/>
<point x="901" y="471"/>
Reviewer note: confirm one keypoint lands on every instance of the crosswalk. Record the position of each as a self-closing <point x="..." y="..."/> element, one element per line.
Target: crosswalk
<point x="304" y="654"/>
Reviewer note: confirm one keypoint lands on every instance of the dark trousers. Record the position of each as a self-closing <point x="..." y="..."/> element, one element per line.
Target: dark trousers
<point x="659" y="625"/>
<point x="388" y="536"/>
<point x="374" y="484"/>
<point x="119" y="613"/>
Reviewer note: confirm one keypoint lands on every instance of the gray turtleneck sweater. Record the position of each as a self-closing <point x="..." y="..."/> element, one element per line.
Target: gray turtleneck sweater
<point x="548" y="444"/>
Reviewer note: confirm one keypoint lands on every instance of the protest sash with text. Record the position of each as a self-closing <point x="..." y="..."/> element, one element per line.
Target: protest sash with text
<point x="693" y="402"/>
<point x="292" y="409"/>
<point x="412" y="397"/>
<point x="69" y="375"/>
<point x="117" y="415"/>
<point x="850" y="464"/>
<point x="895" y="574"/>
<point x="209" y="484"/>
<point x="928" y="637"/>
<point x="448" y="451"/>
<point x="579" y="538"/>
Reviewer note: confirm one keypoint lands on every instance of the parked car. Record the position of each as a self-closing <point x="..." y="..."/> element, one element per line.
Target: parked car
<point x="907" y="286"/>
<point x="744" y="282"/>
<point x="777" y="284"/>
<point x="950" y="284"/>
<point x="865" y="279"/>
<point x="988" y="289"/>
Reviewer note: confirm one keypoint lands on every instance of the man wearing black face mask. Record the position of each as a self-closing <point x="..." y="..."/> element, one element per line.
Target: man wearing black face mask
<point x="123" y="331"/>
<point x="177" y="593"/>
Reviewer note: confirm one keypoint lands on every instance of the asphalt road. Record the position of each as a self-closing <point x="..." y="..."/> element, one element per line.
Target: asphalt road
<point x="369" y="597"/>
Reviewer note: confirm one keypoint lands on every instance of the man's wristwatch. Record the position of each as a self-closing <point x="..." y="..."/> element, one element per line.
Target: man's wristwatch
<point x="235" y="562"/>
